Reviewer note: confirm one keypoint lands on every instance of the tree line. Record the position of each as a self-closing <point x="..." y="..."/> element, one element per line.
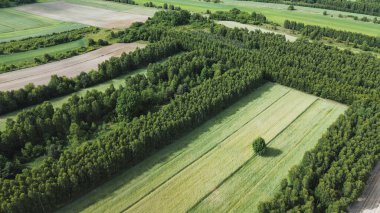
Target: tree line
<point x="33" y="43"/>
<point x="239" y="16"/>
<point x="26" y="138"/>
<point x="316" y="32"/>
<point x="60" y="85"/>
<point x="362" y="7"/>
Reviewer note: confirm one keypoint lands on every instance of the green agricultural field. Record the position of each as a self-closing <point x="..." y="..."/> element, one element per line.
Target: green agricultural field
<point x="17" y="25"/>
<point x="28" y="57"/>
<point x="279" y="13"/>
<point x="218" y="156"/>
<point x="57" y="102"/>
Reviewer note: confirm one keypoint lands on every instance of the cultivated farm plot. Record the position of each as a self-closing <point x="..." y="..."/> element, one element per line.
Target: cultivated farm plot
<point x="84" y="14"/>
<point x="70" y="67"/>
<point x="213" y="168"/>
<point x="18" y="25"/>
<point x="233" y="24"/>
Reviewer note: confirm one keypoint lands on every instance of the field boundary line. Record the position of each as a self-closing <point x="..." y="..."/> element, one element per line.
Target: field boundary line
<point x="246" y="162"/>
<point x="208" y="151"/>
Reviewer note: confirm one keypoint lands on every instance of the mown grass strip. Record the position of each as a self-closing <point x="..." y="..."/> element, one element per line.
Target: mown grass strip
<point x="216" y="165"/>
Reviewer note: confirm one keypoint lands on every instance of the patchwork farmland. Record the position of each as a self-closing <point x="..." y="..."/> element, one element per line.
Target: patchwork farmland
<point x="218" y="156"/>
<point x="201" y="106"/>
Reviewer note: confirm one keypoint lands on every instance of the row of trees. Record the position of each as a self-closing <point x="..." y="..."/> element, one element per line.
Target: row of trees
<point x="44" y="41"/>
<point x="317" y="32"/>
<point x="363" y="7"/>
<point x="239" y="16"/>
<point x="59" y="86"/>
<point x="27" y="138"/>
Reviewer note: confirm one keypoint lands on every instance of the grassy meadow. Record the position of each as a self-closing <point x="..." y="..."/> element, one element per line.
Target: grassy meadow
<point x="18" y="25"/>
<point x="28" y="56"/>
<point x="218" y="156"/>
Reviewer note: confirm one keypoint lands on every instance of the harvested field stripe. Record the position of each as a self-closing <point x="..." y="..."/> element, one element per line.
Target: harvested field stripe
<point x="269" y="170"/>
<point x="245" y="163"/>
<point x="233" y="152"/>
<point x="195" y="160"/>
<point x="118" y="193"/>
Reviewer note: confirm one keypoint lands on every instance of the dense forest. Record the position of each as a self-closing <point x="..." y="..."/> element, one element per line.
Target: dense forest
<point x="362" y="7"/>
<point x="116" y="129"/>
<point x="316" y="32"/>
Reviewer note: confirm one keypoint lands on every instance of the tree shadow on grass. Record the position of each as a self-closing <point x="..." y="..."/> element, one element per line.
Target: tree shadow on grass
<point x="271" y="152"/>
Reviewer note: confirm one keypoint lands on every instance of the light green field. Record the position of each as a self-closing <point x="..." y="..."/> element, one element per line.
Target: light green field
<point x="28" y="56"/>
<point x="199" y="171"/>
<point x="110" y="5"/>
<point x="278" y="13"/>
<point x="58" y="102"/>
<point x="17" y="25"/>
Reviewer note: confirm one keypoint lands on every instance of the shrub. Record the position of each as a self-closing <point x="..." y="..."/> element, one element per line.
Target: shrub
<point x="259" y="146"/>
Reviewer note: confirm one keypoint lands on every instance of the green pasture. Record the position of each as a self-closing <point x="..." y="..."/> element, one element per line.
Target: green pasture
<point x="28" y="57"/>
<point x="198" y="171"/>
<point x="18" y="25"/>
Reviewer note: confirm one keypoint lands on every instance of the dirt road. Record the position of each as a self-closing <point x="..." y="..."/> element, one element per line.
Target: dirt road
<point x="69" y="67"/>
<point x="83" y="14"/>
<point x="369" y="201"/>
<point x="233" y="24"/>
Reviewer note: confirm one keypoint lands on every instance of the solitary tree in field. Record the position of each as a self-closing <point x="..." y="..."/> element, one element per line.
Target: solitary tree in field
<point x="259" y="146"/>
<point x="291" y="7"/>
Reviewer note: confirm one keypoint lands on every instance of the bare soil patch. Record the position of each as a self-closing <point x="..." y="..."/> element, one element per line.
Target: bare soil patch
<point x="369" y="201"/>
<point x="70" y="67"/>
<point x="84" y="14"/>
